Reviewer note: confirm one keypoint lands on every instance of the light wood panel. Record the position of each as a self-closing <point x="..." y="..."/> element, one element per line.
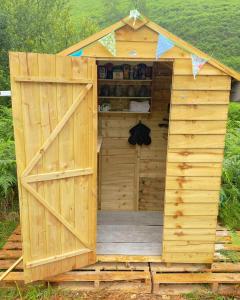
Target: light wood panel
<point x="194" y="169"/>
<point x="198" y="127"/>
<point x="193" y="183"/>
<point x="199" y="112"/>
<point x="125" y="48"/>
<point x="190" y="222"/>
<point x="53" y="238"/>
<point x="202" y="141"/>
<point x="184" y="67"/>
<point x="195" y="155"/>
<point x="187" y="97"/>
<point x="191" y="209"/>
<point x="202" y="83"/>
<point x="191" y="196"/>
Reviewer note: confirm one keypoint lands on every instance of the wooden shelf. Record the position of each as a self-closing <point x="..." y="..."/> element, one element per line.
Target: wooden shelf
<point x="114" y="97"/>
<point x="122" y="112"/>
<point x="122" y="81"/>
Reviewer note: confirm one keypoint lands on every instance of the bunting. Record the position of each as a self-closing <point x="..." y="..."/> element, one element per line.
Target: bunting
<point x="197" y="64"/>
<point x="164" y="44"/>
<point x="77" y="53"/>
<point x="109" y="42"/>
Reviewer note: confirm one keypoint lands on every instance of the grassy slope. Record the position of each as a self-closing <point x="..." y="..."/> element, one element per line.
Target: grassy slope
<point x="212" y="25"/>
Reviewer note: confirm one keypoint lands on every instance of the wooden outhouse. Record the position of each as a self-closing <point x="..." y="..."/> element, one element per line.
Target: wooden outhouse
<point x="87" y="192"/>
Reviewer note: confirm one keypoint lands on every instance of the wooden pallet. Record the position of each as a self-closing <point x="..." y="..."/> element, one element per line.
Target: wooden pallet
<point x="160" y="278"/>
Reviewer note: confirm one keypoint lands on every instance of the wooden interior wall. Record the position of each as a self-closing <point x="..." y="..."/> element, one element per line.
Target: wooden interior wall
<point x="195" y="153"/>
<point x="133" y="177"/>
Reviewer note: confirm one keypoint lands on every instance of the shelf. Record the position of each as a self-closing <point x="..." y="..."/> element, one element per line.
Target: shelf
<point x="122" y="81"/>
<point x="123" y="112"/>
<point x="114" y="97"/>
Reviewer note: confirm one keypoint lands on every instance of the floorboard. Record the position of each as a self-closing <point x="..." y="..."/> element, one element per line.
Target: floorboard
<point x="129" y="233"/>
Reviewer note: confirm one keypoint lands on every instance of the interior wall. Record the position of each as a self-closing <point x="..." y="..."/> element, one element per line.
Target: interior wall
<point x="133" y="177"/>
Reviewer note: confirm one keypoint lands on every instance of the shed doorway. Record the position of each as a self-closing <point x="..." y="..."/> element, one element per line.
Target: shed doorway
<point x="131" y="177"/>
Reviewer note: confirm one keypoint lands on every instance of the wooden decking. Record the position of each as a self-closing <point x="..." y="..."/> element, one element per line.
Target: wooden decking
<point x="159" y="278"/>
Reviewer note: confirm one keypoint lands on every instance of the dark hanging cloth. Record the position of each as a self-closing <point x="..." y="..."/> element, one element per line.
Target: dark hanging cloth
<point x="139" y="134"/>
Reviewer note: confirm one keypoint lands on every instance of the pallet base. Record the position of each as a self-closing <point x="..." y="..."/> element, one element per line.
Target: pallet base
<point x="139" y="277"/>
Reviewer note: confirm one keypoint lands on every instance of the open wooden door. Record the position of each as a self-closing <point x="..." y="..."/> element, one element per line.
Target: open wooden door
<point x="55" y="125"/>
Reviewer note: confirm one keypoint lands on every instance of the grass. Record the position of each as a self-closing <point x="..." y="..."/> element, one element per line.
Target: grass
<point x="7" y="225"/>
<point x="229" y="212"/>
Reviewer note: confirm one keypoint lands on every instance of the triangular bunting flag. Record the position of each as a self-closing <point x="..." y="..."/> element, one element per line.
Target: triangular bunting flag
<point x="77" y="53"/>
<point x="164" y="44"/>
<point x="109" y="41"/>
<point x="197" y="64"/>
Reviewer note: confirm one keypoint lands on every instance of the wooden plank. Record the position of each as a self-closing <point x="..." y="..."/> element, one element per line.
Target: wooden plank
<point x="177" y="268"/>
<point x="129" y="248"/>
<point x="203" y="235"/>
<point x="199" y="112"/>
<point x="149" y="218"/>
<point x="187" y="246"/>
<point x="195" y="155"/>
<point x="144" y="34"/>
<point x="129" y="234"/>
<point x="190" y="222"/>
<point x="192" y="141"/>
<point x="199" y="97"/>
<point x="194" y="169"/>
<point x="55" y="258"/>
<point x="197" y="278"/>
<point x="58" y="175"/>
<point x="3" y="275"/>
<point x="191" y="196"/>
<point x="184" y="67"/>
<point x="193" y="183"/>
<point x="79" y="276"/>
<point x="204" y="82"/>
<point x="129" y="258"/>
<point x="198" y="127"/>
<point x="194" y="257"/>
<point x="225" y="267"/>
<point x="63" y="80"/>
<point x="191" y="209"/>
<point x="143" y="51"/>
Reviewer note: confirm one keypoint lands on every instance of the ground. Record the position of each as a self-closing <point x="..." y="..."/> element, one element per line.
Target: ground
<point x="40" y="293"/>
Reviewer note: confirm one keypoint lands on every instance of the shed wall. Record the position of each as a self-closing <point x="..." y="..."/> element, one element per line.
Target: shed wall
<point x="198" y="118"/>
<point x="197" y="129"/>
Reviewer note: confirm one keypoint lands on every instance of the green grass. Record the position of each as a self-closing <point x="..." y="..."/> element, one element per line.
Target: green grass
<point x="230" y="191"/>
<point x="6" y="228"/>
<point x="212" y="25"/>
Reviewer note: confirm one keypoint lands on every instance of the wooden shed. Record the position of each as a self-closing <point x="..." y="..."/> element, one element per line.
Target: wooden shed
<point x="86" y="193"/>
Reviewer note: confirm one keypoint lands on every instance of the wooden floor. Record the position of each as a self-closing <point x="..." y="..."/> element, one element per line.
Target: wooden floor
<point x="129" y="233"/>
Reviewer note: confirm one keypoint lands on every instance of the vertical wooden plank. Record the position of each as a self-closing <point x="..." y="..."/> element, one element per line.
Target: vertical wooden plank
<point x="66" y="157"/>
<point x="49" y="120"/>
<point x="33" y="140"/>
<point x="19" y="137"/>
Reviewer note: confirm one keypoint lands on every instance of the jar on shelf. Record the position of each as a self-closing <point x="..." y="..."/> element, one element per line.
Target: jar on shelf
<point x="126" y="71"/>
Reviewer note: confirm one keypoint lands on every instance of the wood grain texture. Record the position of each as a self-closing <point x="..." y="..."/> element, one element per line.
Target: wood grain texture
<point x="47" y="115"/>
